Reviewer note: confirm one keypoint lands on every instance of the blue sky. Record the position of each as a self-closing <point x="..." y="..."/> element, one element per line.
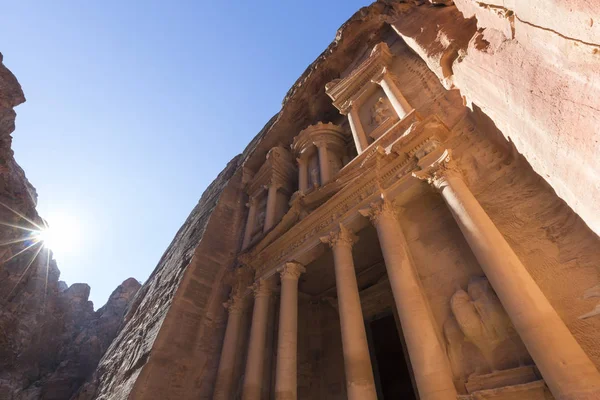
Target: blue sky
<point x="134" y="107"/>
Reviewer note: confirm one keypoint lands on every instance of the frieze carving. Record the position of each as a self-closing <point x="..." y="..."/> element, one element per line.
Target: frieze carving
<point x="291" y="270"/>
<point x="341" y="237"/>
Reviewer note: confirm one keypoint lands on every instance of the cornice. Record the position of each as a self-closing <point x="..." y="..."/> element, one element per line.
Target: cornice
<point x="346" y="90"/>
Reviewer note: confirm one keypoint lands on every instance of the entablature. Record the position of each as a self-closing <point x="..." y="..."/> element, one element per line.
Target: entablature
<point x="278" y="169"/>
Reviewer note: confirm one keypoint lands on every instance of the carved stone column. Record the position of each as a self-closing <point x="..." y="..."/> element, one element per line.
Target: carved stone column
<point x="392" y="92"/>
<point x="567" y="370"/>
<point x="360" y="383"/>
<point x="250" y="222"/>
<point x="224" y="382"/>
<point x="358" y="133"/>
<point x="428" y="359"/>
<point x="324" y="166"/>
<point x="302" y="173"/>
<point x="286" y="387"/>
<point x="271" y="206"/>
<point x="254" y="375"/>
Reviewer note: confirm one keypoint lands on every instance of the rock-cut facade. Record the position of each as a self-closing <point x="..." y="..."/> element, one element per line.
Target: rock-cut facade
<point x="419" y="221"/>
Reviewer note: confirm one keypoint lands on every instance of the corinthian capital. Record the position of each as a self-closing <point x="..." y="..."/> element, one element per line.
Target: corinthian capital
<point x="342" y="237"/>
<point x="235" y="304"/>
<point x="252" y="201"/>
<point x="438" y="171"/>
<point x="263" y="287"/>
<point x="376" y="210"/>
<point x="291" y="270"/>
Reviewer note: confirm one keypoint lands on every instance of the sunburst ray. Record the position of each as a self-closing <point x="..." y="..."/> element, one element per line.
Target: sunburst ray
<point x="21" y="215"/>
<point x="26" y="269"/>
<point x="21" y="252"/>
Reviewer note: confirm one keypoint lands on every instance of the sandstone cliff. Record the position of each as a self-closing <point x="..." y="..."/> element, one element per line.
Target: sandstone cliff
<point x="529" y="69"/>
<point x="50" y="337"/>
<point x="508" y="61"/>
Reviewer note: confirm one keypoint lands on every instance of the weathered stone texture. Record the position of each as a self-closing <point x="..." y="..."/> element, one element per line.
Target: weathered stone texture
<point x="174" y="324"/>
<point x="533" y="68"/>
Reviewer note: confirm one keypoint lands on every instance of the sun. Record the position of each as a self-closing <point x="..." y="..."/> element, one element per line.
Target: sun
<point x="61" y="234"/>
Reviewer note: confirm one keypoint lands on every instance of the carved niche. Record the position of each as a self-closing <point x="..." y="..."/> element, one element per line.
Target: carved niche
<point x="479" y="335"/>
<point x="278" y="171"/>
<point x="319" y="150"/>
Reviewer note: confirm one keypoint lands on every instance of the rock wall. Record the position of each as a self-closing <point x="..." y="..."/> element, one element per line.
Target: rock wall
<point x="171" y="342"/>
<point x="529" y="73"/>
<point x="50" y="337"/>
<point x="534" y="69"/>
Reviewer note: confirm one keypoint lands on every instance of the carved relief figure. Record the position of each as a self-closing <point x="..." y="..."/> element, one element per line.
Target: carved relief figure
<point x="314" y="177"/>
<point x="380" y="112"/>
<point x="484" y="323"/>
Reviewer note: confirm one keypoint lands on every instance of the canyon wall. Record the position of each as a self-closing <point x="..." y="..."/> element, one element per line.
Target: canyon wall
<point x="531" y="87"/>
<point x="51" y="339"/>
<point x="530" y="75"/>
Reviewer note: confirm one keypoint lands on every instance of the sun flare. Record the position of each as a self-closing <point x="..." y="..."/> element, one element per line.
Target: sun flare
<point x="61" y="234"/>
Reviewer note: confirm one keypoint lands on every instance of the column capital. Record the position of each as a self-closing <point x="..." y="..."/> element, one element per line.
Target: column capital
<point x="262" y="287"/>
<point x="438" y="171"/>
<point x="273" y="184"/>
<point x="346" y="108"/>
<point x="235" y="304"/>
<point x="252" y="201"/>
<point x="291" y="270"/>
<point x="342" y="237"/>
<point x="381" y="75"/>
<point x="378" y="209"/>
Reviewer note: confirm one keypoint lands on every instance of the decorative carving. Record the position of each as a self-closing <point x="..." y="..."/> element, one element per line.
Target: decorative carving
<point x="279" y="169"/>
<point x="484" y="323"/>
<point x="342" y="237"/>
<point x="344" y="91"/>
<point x="291" y="270"/>
<point x="377" y="209"/>
<point x="252" y="202"/>
<point x="262" y="287"/>
<point x="380" y="112"/>
<point x="314" y="177"/>
<point x="438" y="171"/>
<point x="356" y="185"/>
<point x="235" y="304"/>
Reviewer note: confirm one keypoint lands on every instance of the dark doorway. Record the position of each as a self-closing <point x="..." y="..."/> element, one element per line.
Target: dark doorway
<point x="389" y="366"/>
